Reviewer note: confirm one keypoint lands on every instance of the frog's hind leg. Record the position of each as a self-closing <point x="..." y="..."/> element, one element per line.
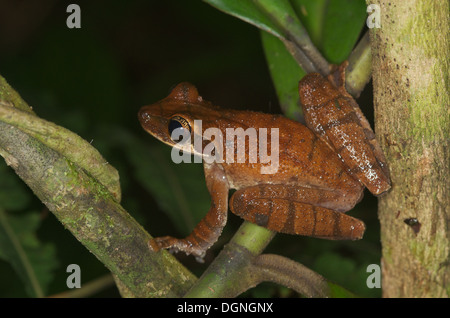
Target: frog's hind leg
<point x="333" y="115"/>
<point x="282" y="214"/>
<point x="302" y="219"/>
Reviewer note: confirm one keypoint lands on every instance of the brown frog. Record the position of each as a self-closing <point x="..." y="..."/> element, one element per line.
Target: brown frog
<point x="321" y="169"/>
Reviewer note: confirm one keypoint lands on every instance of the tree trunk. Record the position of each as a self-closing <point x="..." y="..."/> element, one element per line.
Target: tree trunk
<point x="411" y="96"/>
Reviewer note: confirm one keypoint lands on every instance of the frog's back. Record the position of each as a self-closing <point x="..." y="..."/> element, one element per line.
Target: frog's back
<point x="302" y="157"/>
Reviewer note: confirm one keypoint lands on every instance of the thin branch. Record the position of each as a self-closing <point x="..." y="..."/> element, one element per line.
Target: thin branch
<point x="227" y="276"/>
<point x="62" y="140"/>
<point x="299" y="56"/>
<point x="296" y="37"/>
<point x="359" y="70"/>
<point x="286" y="272"/>
<point x="87" y="208"/>
<point x="240" y="266"/>
<point x="88" y="289"/>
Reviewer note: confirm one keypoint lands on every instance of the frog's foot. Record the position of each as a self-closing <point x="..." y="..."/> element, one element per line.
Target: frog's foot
<point x="177" y="245"/>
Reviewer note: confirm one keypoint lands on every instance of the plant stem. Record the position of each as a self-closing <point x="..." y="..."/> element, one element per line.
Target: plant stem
<point x="224" y="277"/>
<point x="411" y="99"/>
<point x="86" y="207"/>
<point x="359" y="70"/>
<point x="88" y="289"/>
<point x="296" y="37"/>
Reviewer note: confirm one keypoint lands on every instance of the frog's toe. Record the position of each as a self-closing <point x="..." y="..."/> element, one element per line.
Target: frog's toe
<point x="163" y="242"/>
<point x="175" y="245"/>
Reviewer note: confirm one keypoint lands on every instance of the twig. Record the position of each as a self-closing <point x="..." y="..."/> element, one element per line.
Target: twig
<point x="87" y="208"/>
<point x="88" y="289"/>
<point x="359" y="70"/>
<point x="296" y="37"/>
<point x="286" y="272"/>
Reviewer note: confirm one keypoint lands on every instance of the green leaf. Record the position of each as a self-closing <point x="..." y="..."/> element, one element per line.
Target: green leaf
<point x="334" y="26"/>
<point x="282" y="13"/>
<point x="285" y="73"/>
<point x="249" y="12"/>
<point x="342" y="26"/>
<point x="311" y="14"/>
<point x="33" y="261"/>
<point x="285" y="70"/>
<point x="337" y="291"/>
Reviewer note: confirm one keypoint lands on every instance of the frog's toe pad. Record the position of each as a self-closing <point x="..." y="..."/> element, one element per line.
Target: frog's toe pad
<point x="176" y="245"/>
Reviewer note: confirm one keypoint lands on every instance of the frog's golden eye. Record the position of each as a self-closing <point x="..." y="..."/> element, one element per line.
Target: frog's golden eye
<point x="182" y="127"/>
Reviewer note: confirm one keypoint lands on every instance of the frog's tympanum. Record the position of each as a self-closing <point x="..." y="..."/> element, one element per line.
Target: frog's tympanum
<point x="321" y="170"/>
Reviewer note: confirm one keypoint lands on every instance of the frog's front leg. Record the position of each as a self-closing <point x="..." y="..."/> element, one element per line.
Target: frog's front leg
<point x="208" y="230"/>
<point x="294" y="209"/>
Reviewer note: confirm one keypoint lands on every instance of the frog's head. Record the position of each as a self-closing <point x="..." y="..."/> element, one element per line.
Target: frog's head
<point x="171" y="119"/>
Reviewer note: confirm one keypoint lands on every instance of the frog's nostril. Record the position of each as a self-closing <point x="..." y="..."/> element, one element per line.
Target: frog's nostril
<point x="144" y="116"/>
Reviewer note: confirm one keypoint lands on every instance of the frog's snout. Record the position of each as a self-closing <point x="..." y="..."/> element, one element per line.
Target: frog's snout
<point x="143" y="116"/>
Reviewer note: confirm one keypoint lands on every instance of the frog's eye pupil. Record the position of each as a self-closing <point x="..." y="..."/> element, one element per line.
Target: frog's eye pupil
<point x="176" y="123"/>
<point x="173" y="124"/>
